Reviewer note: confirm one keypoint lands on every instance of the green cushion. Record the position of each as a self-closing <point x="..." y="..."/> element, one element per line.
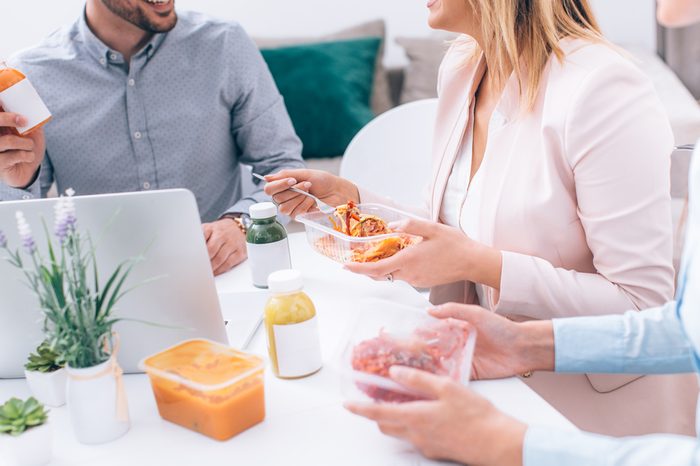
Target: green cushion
<point x="327" y="88"/>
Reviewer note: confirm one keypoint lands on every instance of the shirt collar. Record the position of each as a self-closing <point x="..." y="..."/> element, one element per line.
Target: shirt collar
<point x="103" y="54"/>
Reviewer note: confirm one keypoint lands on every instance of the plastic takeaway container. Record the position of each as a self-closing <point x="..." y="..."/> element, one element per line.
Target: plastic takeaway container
<point x="207" y="387"/>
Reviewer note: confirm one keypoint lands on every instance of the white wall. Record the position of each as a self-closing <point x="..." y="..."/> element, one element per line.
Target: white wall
<point x="27" y="21"/>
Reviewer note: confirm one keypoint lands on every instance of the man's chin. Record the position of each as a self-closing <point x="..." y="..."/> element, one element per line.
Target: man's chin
<point x="160" y="24"/>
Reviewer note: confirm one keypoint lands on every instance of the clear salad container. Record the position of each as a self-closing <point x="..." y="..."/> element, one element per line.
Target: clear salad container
<point x="207" y="387"/>
<point x="387" y="334"/>
<point x="323" y="236"/>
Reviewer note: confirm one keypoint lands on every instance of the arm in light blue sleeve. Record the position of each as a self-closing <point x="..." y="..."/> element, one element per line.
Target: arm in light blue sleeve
<point x="647" y="342"/>
<point x="33" y="191"/>
<point x="548" y="447"/>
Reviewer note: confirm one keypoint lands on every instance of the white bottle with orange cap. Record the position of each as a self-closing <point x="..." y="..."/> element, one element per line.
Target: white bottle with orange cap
<point x="17" y="95"/>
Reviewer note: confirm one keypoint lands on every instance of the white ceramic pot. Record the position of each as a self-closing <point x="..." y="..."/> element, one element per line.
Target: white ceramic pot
<point x="48" y="387"/>
<point x="32" y="448"/>
<point x="93" y="397"/>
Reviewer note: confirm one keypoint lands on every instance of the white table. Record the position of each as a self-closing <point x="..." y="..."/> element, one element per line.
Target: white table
<point x="305" y="424"/>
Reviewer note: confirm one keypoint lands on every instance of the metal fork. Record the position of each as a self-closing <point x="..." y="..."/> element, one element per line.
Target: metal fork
<point x="322" y="206"/>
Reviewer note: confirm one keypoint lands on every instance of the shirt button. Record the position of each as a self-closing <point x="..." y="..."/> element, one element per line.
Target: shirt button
<point x="113" y="56"/>
<point x="131" y="82"/>
<point x="103" y="61"/>
<point x="146" y="185"/>
<point x="137" y="135"/>
<point x="26" y="197"/>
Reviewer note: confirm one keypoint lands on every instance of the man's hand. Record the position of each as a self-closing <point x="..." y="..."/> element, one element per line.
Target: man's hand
<point x="226" y="244"/>
<point x="20" y="156"/>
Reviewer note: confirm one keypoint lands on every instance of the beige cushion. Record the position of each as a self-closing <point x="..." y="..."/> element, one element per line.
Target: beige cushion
<point x="381" y="100"/>
<point x="424" y="55"/>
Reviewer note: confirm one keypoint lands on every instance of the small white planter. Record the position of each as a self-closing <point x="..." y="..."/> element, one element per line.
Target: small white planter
<point x="92" y="397"/>
<point x="32" y="448"/>
<point x="48" y="387"/>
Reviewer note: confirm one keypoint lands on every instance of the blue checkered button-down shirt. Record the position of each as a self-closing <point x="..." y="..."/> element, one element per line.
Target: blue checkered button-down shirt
<point x="191" y="106"/>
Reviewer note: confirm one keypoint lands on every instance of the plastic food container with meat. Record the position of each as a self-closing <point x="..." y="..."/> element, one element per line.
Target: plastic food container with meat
<point x="357" y="232"/>
<point x="207" y="387"/>
<point x="386" y="334"/>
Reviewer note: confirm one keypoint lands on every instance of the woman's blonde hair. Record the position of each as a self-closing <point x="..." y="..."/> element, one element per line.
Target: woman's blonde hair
<point x="519" y="36"/>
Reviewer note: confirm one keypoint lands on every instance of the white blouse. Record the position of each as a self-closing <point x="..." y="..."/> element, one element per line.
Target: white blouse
<point x="461" y="203"/>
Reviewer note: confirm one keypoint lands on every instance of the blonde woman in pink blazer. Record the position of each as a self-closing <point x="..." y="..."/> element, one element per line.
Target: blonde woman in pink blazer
<point x="549" y="195"/>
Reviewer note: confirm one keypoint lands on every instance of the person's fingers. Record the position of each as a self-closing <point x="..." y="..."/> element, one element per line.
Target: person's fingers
<point x="233" y="260"/>
<point x="286" y="196"/>
<point x="222" y="256"/>
<point x="414" y="226"/>
<point x="392" y="429"/>
<point x="275" y="187"/>
<point x="419" y="381"/>
<point x="12" y="120"/>
<point x="11" y="142"/>
<point x="16" y="157"/>
<point x="377" y="269"/>
<point x="376" y="411"/>
<point x="467" y="312"/>
<point x="288" y="207"/>
<point x="306" y="205"/>
<point x="299" y="174"/>
<point x="214" y="244"/>
<point x="207" y="229"/>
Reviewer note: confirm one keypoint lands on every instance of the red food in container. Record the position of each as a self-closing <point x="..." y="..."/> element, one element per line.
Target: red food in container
<point x="386" y="334"/>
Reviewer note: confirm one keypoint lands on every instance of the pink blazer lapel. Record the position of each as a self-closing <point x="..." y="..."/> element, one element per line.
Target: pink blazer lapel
<point x="453" y="116"/>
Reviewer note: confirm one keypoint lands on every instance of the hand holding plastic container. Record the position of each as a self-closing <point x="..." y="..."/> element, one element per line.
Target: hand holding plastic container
<point x="17" y="95"/>
<point x="207" y="387"/>
<point x="327" y="234"/>
<point x="386" y="334"/>
<point x="268" y="246"/>
<point x="292" y="327"/>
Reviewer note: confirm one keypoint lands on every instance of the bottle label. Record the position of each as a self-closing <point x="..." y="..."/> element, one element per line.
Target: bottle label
<point x="22" y="98"/>
<point x="267" y="258"/>
<point x="298" y="348"/>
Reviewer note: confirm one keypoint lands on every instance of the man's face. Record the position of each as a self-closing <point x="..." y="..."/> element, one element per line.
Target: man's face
<point x="149" y="15"/>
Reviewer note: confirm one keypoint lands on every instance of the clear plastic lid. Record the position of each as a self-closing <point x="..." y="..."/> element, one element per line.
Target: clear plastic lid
<point x="387" y="334"/>
<point x="202" y="364"/>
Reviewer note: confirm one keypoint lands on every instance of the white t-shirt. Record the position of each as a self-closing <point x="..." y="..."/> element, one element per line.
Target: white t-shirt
<point x="461" y="203"/>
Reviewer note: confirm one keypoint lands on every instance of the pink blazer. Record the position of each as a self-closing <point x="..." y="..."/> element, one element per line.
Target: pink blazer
<point x="576" y="194"/>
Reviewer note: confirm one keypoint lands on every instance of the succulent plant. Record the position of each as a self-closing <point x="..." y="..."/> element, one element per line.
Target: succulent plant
<point x="16" y="416"/>
<point x="45" y="359"/>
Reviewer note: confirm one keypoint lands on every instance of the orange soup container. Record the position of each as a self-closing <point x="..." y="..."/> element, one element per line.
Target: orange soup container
<point x="208" y="387"/>
<point x="17" y="95"/>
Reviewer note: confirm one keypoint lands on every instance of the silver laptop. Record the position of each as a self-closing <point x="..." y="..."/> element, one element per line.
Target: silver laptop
<point x="164" y="226"/>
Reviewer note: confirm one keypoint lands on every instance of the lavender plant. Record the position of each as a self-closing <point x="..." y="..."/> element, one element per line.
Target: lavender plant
<point x="78" y="312"/>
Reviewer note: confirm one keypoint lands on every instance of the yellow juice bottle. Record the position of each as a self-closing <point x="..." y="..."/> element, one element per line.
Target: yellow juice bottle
<point x="292" y="327"/>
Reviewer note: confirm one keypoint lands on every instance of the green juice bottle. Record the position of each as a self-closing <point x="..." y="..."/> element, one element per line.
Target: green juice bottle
<point x="268" y="246"/>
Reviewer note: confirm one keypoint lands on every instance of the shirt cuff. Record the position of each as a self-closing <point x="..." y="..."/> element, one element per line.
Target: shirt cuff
<point x="549" y="447"/>
<point x="8" y="193"/>
<point x="516" y="284"/>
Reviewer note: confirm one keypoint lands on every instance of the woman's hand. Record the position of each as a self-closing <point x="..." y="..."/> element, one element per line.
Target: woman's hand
<point x="456" y="424"/>
<point x="445" y="255"/>
<point x="503" y="348"/>
<point x="331" y="189"/>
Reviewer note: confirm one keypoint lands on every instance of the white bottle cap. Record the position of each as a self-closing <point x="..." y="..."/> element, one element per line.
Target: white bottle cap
<point x="263" y="210"/>
<point x="285" y="281"/>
